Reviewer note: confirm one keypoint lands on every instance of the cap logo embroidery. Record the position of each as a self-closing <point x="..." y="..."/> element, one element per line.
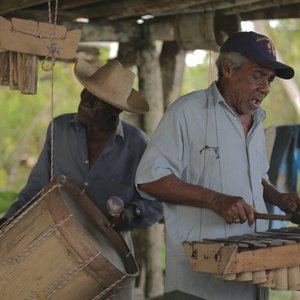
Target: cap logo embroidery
<point x="270" y="45"/>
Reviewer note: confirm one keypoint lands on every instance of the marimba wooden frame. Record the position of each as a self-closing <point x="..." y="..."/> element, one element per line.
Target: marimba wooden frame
<point x="221" y="259"/>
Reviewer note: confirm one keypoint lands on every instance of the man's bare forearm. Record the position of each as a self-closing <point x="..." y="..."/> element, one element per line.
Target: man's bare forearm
<point x="271" y="194"/>
<point x="173" y="190"/>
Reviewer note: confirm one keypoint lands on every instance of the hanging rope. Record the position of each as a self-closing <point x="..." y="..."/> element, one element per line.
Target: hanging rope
<point x="210" y="71"/>
<point x="206" y="147"/>
<point x="52" y="48"/>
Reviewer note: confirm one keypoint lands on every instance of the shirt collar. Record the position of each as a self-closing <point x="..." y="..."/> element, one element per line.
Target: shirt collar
<point x="118" y="135"/>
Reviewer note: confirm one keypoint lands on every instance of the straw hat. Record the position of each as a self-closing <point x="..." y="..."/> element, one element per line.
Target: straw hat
<point x="111" y="83"/>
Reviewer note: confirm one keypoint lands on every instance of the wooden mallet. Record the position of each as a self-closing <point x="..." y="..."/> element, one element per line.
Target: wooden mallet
<point x="294" y="218"/>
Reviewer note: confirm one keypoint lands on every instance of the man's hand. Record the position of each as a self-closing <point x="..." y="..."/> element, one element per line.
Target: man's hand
<point x="234" y="209"/>
<point x="289" y="202"/>
<point x="127" y="216"/>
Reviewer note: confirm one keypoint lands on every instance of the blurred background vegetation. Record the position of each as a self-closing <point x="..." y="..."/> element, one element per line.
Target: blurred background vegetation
<point x="24" y="119"/>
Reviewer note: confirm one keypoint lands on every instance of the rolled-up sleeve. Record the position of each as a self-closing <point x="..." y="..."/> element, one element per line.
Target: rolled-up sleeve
<point x="164" y="154"/>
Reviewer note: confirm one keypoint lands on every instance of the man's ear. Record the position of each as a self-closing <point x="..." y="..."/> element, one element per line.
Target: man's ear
<point x="226" y="67"/>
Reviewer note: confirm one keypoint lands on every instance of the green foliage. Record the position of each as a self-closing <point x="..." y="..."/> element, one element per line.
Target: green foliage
<point x="282" y="295"/>
<point x="6" y="199"/>
<point x="198" y="77"/>
<point x="24" y="120"/>
<point x="279" y="108"/>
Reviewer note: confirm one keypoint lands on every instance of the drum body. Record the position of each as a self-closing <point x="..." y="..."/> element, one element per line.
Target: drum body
<point x="61" y="248"/>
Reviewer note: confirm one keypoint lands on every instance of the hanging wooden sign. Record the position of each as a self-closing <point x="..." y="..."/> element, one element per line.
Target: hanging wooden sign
<point x="23" y="41"/>
<point x="37" y="38"/>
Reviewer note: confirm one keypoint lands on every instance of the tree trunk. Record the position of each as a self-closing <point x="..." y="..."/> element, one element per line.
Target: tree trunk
<point x="172" y="63"/>
<point x="150" y="84"/>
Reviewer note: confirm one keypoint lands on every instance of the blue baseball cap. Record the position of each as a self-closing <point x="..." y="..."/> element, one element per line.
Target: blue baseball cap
<point x="259" y="49"/>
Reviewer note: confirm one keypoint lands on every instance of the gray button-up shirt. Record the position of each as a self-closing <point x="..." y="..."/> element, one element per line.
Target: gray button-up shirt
<point x="201" y="141"/>
<point x="112" y="174"/>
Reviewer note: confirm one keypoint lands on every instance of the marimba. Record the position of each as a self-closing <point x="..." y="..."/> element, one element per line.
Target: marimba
<point x="269" y="259"/>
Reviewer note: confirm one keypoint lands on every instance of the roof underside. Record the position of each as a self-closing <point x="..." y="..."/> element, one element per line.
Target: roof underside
<point x="116" y="20"/>
<point x="114" y="10"/>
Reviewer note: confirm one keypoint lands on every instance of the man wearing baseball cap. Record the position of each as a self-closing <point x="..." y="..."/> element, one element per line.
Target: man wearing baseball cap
<point x="98" y="151"/>
<point x="207" y="162"/>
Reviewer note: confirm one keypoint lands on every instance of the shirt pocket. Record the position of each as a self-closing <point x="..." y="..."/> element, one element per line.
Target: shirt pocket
<point x="203" y="165"/>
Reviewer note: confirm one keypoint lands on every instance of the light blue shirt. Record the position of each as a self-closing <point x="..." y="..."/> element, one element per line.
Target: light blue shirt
<point x="232" y="164"/>
<point x="112" y="174"/>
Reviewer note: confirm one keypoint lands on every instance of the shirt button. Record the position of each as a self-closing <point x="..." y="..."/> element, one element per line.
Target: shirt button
<point x="86" y="184"/>
<point x="86" y="162"/>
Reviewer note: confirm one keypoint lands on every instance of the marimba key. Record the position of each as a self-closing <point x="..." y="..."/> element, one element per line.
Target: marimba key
<point x="259" y="277"/>
<point x="281" y="279"/>
<point x="294" y="278"/>
<point x="245" y="276"/>
<point x="270" y="283"/>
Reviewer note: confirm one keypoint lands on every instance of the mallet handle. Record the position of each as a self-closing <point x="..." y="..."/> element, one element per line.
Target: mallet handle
<point x="272" y="217"/>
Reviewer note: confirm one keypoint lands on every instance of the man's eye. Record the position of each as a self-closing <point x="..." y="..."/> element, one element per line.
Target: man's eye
<point x="256" y="76"/>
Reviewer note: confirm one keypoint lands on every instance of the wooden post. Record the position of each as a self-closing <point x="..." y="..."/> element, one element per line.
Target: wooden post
<point x="172" y="63"/>
<point x="150" y="84"/>
<point x="128" y="56"/>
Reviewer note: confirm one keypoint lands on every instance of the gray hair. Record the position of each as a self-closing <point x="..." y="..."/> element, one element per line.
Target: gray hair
<point x="235" y="58"/>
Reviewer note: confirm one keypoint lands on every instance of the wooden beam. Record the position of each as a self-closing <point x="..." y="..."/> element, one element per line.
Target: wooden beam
<point x="41" y="15"/>
<point x="262" y="5"/>
<point x="218" y="6"/>
<point x="157" y="8"/>
<point x="15" y="5"/>
<point x="136" y="8"/>
<point x="291" y="11"/>
<point x="123" y="31"/>
<point x="69" y="4"/>
<point x="110" y="10"/>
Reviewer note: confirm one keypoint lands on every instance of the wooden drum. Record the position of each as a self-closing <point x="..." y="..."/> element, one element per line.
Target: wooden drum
<point x="61" y="248"/>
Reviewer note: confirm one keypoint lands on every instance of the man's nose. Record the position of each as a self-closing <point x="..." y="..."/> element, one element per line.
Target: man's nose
<point x="264" y="86"/>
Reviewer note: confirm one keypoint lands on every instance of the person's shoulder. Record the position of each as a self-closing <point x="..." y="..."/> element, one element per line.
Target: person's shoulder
<point x="133" y="131"/>
<point x="192" y="100"/>
<point x="64" y="117"/>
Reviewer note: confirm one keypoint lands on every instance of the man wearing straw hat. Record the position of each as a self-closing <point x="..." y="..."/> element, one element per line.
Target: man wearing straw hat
<point x="97" y="150"/>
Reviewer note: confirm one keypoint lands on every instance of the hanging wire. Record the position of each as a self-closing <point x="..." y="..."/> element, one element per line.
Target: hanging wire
<point x="207" y="147"/>
<point x="210" y="69"/>
<point x="217" y="149"/>
<point x="52" y="48"/>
